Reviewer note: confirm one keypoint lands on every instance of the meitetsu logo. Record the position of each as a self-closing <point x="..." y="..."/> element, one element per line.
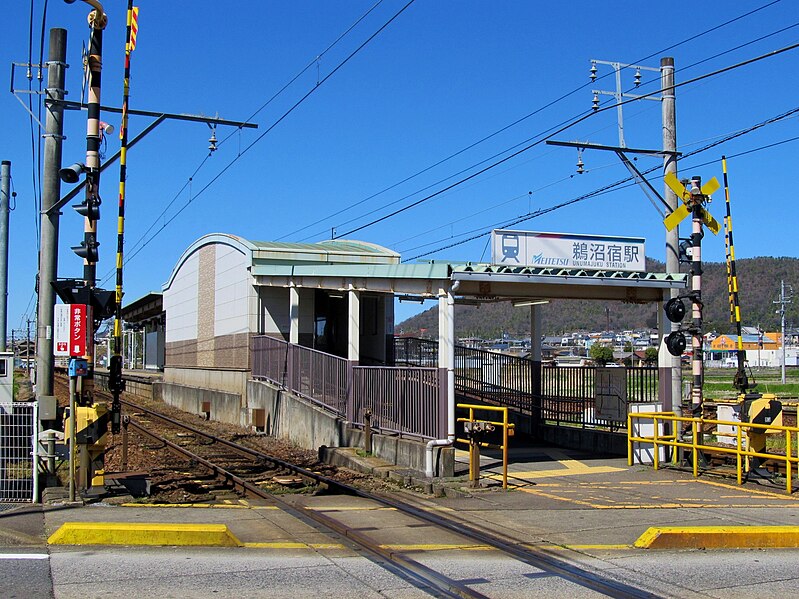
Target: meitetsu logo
<point x="549" y="261"/>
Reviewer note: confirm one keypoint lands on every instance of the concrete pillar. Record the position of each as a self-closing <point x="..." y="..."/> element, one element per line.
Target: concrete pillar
<point x="294" y="315"/>
<point x="354" y="325"/>
<point x="446" y="355"/>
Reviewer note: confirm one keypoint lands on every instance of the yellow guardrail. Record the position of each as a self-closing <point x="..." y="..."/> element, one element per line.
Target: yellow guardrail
<point x="742" y="432"/>
<point x="474" y="445"/>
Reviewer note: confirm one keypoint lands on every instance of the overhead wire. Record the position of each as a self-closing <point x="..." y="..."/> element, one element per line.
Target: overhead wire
<point x="627" y="180"/>
<point x="716" y="140"/>
<point x="564" y="128"/>
<point x="277" y="122"/>
<point x="315" y="61"/>
<point x="583" y="117"/>
<point x="143" y="237"/>
<point x="691" y="38"/>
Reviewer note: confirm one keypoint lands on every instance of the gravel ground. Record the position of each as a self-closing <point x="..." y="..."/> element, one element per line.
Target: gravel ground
<point x="175" y="480"/>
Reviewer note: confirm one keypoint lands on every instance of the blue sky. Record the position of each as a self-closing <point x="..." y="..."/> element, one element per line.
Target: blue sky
<point x="439" y="78"/>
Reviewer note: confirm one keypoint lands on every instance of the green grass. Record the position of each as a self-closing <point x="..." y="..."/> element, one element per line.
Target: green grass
<point x="718" y="382"/>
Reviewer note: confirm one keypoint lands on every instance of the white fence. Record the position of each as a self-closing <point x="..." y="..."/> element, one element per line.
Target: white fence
<point x="17" y="452"/>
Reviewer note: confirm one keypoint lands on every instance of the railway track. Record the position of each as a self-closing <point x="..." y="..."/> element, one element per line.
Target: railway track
<point x="396" y="561"/>
<point x="242" y="467"/>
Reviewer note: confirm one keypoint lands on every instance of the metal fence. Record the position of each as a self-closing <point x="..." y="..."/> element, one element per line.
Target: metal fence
<point x="403" y="401"/>
<point x="567" y="393"/>
<point x="319" y="377"/>
<point x="17" y="452"/>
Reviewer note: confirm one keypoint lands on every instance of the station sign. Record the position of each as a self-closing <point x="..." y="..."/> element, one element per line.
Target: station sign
<point x="567" y="250"/>
<point x="72" y="333"/>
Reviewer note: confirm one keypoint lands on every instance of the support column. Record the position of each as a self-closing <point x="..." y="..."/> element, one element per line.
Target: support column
<point x="5" y="196"/>
<point x="51" y="192"/>
<point x="446" y="359"/>
<point x="353" y="326"/>
<point x="353" y="347"/>
<point x="294" y="315"/>
<point x="535" y="357"/>
<point x="671" y="397"/>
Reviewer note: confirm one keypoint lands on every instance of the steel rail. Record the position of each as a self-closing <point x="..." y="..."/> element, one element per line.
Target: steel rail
<point x="399" y="563"/>
<point x="532" y="557"/>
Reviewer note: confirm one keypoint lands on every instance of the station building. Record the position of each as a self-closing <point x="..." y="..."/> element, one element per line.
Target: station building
<point x="229" y="300"/>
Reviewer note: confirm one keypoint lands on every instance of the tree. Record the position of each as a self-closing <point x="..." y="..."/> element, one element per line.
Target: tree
<point x="651" y="355"/>
<point x="601" y="354"/>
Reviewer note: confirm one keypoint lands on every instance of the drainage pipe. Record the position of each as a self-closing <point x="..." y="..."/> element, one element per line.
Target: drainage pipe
<point x="446" y="360"/>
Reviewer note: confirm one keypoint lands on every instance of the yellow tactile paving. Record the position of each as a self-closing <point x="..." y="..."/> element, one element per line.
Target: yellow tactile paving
<point x="611" y="495"/>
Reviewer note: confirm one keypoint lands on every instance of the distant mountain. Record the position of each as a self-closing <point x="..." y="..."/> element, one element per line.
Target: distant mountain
<point x="758" y="281"/>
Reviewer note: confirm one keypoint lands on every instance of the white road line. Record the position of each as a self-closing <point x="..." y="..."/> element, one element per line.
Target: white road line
<point x="24" y="556"/>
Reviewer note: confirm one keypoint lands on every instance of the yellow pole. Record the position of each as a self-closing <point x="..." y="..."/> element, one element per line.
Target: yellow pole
<point x="738" y="464"/>
<point x="505" y="448"/>
<point x="788" y="482"/>
<point x="629" y="439"/>
<point x="694" y="451"/>
<point x="655" y="441"/>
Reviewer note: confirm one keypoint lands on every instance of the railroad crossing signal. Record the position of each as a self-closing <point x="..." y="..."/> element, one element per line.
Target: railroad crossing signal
<point x="691" y="196"/>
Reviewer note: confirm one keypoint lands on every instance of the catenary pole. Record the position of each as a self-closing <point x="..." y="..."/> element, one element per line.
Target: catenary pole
<point x="51" y="192"/>
<point x="673" y="400"/>
<point x="5" y="196"/>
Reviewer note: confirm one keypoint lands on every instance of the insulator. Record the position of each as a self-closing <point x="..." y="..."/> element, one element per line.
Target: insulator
<point x="637" y="79"/>
<point x="212" y="141"/>
<point x="595" y="102"/>
<point x="580" y="163"/>
<point x="593" y="71"/>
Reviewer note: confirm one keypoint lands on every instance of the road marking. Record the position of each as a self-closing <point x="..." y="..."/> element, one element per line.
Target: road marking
<point x="30" y="556"/>
<point x="585" y="547"/>
<point x="323" y="508"/>
<point x="219" y="506"/>
<point x="568" y="471"/>
<point x="437" y="547"/>
<point x="291" y="545"/>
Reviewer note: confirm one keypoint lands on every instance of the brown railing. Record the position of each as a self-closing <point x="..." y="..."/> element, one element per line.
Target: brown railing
<point x="567" y="395"/>
<point x="317" y="376"/>
<point x="403" y="401"/>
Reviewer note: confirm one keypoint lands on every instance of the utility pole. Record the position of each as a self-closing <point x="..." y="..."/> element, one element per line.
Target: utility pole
<point x="783" y="301"/>
<point x="28" y="348"/>
<point x="669" y="368"/>
<point x="51" y="192"/>
<point x="672" y="237"/>
<point x="5" y="188"/>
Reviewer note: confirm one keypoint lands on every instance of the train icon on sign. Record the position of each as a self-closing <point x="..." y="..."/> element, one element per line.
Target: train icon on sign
<point x="510" y="247"/>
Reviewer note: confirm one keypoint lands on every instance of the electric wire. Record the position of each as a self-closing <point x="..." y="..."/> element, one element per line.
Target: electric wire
<point x="562" y="129"/>
<point x="691" y="38"/>
<point x="40" y="104"/>
<point x="579" y="119"/>
<point x="238" y="129"/>
<point x="621" y="184"/>
<point x="308" y="66"/>
<point x="37" y="206"/>
<point x="792" y="113"/>
<point x="340" y="65"/>
<point x="617" y="184"/>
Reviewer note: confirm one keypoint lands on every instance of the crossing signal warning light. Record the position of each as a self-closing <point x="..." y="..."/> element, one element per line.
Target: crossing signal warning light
<point x="87" y="251"/>
<point x="89" y="208"/>
<point x="675" y="309"/>
<point x="675" y="343"/>
<point x="675" y="312"/>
